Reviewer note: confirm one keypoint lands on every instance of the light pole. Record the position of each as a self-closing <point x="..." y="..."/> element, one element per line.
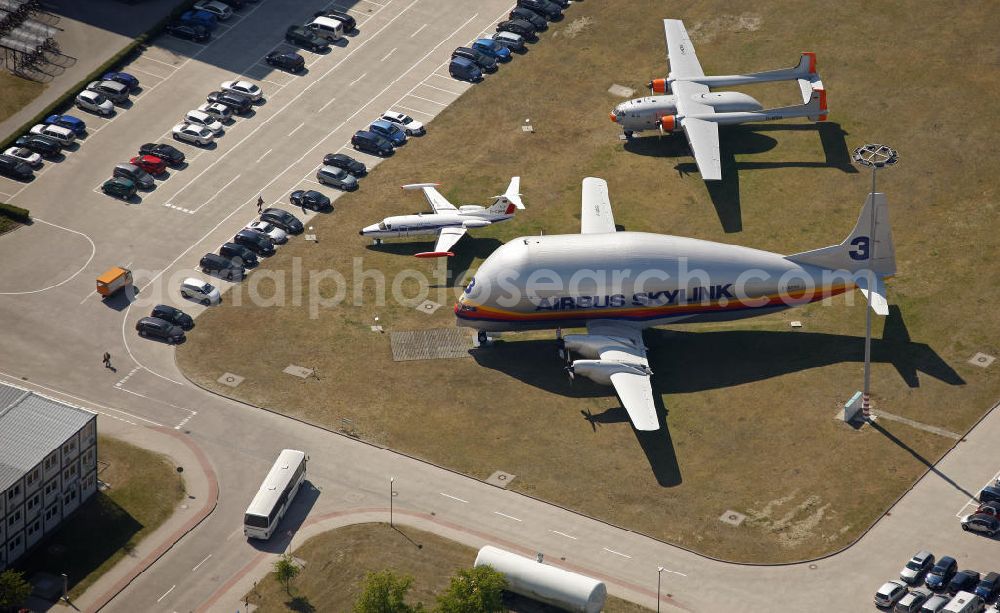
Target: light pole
<point x="873" y="156"/>
<point x="391" y="494"/>
<point x="659" y="574"/>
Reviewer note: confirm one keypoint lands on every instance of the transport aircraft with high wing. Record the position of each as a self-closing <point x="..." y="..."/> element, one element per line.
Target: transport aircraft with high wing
<point x="447" y="222"/>
<point x="617" y="283"/>
<point x="691" y="107"/>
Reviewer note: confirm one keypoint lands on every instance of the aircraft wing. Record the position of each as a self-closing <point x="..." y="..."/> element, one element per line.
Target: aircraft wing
<point x="446" y="240"/>
<point x="595" y="214"/>
<point x="434" y="198"/>
<point x="702" y="134"/>
<point x="680" y="50"/>
<point x="634" y="389"/>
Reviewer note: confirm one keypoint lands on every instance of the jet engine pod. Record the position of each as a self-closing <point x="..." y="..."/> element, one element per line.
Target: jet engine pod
<point x="669" y="123"/>
<point x="475" y="223"/>
<point x="658" y="86"/>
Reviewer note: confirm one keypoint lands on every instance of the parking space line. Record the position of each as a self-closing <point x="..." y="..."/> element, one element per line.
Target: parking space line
<point x="196" y="566"/>
<point x="563" y="534"/>
<point x="359" y="78"/>
<point x="412" y="110"/>
<point x="386" y="56"/>
<point x="323" y="108"/>
<point x="297" y="128"/>
<point x="428" y="100"/>
<point x="153" y="59"/>
<point x="505" y="515"/>
<point x="146" y="72"/>
<point x="618" y="553"/>
<point x="221" y="189"/>
<point x="167" y="592"/>
<point x="974" y="502"/>
<point x="453" y="497"/>
<point x="441" y="89"/>
<point x="263" y="155"/>
<point x="418" y="30"/>
<point x="304" y="180"/>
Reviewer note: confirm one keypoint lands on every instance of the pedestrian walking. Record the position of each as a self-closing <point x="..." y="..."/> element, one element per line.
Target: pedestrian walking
<point x="107" y="360"/>
<point x="260" y="204"/>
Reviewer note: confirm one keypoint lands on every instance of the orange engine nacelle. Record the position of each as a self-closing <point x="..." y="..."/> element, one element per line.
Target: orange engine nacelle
<point x="668" y="123"/>
<point x="658" y="85"/>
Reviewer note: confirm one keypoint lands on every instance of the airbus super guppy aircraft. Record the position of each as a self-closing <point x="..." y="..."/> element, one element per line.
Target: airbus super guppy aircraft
<point x="693" y="108"/>
<point x="617" y="283"/>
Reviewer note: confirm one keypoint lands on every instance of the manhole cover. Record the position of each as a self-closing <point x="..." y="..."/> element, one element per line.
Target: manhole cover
<point x="796" y="324"/>
<point x="981" y="359"/>
<point x="377" y="329"/>
<point x="297" y="371"/>
<point x="621" y="90"/>
<point x="428" y="306"/>
<point x="732" y="518"/>
<point x="501" y="479"/>
<point x="230" y="379"/>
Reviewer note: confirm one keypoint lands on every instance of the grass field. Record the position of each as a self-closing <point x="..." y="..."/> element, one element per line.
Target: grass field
<point x="749" y="404"/>
<point x="336" y="563"/>
<point x="16" y="93"/>
<point x="144" y="490"/>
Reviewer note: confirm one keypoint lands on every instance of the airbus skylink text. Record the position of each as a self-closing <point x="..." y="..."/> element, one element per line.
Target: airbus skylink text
<point x="661" y="298"/>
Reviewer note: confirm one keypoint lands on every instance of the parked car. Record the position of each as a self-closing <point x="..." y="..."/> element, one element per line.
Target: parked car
<point x="75" y="124"/>
<point x="189" y="31"/>
<point x="235" y="4"/>
<point x="492" y="48"/>
<point x="464" y="69"/>
<point x="485" y="62"/>
<point x="920" y="563"/>
<point x="551" y="10"/>
<point x="989" y="586"/>
<point x="520" y="27"/>
<point x="200" y="18"/>
<point x="48" y="147"/>
<point x="239" y="253"/>
<point x="989" y="493"/>
<point x="173" y="315"/>
<point x="409" y="125"/>
<point x="222" y="267"/>
<point x="126" y="79"/>
<point x="168" y="153"/>
<point x="563" y="4"/>
<point x="890" y="593"/>
<point x="282" y="219"/>
<point x="390" y="131"/>
<point x="243" y="88"/>
<point x="341" y="160"/>
<point x="935" y="603"/>
<point x="337" y="177"/>
<point x="989" y="508"/>
<point x="94" y="102"/>
<point x="25" y="155"/>
<point x="964" y="602"/>
<point x="537" y="21"/>
<point x="310" y="199"/>
<point x="193" y="134"/>
<point x="306" y="38"/>
<point x="218" y="111"/>
<point x="221" y="11"/>
<point x="112" y="90"/>
<point x="941" y="574"/>
<point x="912" y="602"/>
<point x="195" y="289"/>
<point x="240" y="104"/>
<point x="981" y="523"/>
<point x="119" y="187"/>
<point x="255" y="241"/>
<point x="61" y="135"/>
<point x="15" y="168"/>
<point x="369" y="142"/>
<point x="963" y="581"/>
<point x="159" y="328"/>
<point x="327" y="28"/>
<point x="204" y="120"/>
<point x="149" y="163"/>
<point x="350" y="24"/>
<point x="137" y="175"/>
<point x="290" y="61"/>
<point x="513" y="42"/>
<point x="276" y="234"/>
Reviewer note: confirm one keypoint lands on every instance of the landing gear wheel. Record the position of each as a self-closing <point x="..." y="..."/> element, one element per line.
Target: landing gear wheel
<point x="482" y="337"/>
<point x="628" y="134"/>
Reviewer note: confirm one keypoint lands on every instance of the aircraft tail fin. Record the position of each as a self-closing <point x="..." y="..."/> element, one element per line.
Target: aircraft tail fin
<point x="805" y="69"/>
<point x="813" y="104"/>
<point x="505" y="203"/>
<point x="868" y="247"/>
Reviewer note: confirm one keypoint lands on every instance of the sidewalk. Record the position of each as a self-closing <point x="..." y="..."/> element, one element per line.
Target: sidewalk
<point x="93" y="31"/>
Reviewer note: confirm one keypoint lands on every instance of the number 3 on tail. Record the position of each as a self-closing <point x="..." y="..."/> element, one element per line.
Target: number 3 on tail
<point x="863" y="244"/>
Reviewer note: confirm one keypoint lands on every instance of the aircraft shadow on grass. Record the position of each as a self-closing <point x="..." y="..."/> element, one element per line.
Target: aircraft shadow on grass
<point x="289" y="525"/>
<point x="743" y="140"/>
<point x="466" y="251"/>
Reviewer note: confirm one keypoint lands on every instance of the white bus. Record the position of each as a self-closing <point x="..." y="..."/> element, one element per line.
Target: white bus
<point x="275" y="494"/>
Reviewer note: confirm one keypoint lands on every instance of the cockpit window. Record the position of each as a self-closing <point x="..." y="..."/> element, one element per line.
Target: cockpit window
<point x="382" y="226"/>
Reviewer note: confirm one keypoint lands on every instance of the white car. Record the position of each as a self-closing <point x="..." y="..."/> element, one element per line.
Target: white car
<point x="244" y="88"/>
<point x="64" y="136"/>
<point x="94" y="102"/>
<point x="411" y="126"/>
<point x="889" y="594"/>
<point x="25" y="155"/>
<point x="195" y="289"/>
<point x="193" y="134"/>
<point x="220" y="10"/>
<point x="274" y="232"/>
<point x="217" y="109"/>
<point x="203" y="119"/>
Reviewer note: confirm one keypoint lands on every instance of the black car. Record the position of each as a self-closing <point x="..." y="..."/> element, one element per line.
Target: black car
<point x="15" y="168"/>
<point x="170" y="155"/>
<point x="942" y="573"/>
<point x="310" y="199"/>
<point x="369" y="142"/>
<point x="189" y="31"/>
<point x="989" y="587"/>
<point x="290" y="61"/>
<point x="485" y="62"/>
<point x="349" y="22"/>
<point x="255" y="241"/>
<point x="340" y="160"/>
<point x="222" y="267"/>
<point x="173" y="315"/>
<point x="240" y="104"/>
<point x="539" y="22"/>
<point x="989" y="493"/>
<point x="306" y="38"/>
<point x="551" y="10"/>
<point x="964" y="581"/>
<point x="239" y="253"/>
<point x="283" y="219"/>
<point x="159" y="328"/>
<point x="44" y="145"/>
<point x="518" y="26"/>
<point x="563" y="4"/>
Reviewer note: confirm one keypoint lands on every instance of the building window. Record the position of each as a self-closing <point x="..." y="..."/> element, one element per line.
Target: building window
<point x="34" y="500"/>
<point x="14" y="517"/>
<point x="14" y="492"/>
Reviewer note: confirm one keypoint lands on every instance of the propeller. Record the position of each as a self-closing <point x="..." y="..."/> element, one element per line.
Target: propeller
<point x="561" y="344"/>
<point x="569" y="371"/>
<point x="590" y="417"/>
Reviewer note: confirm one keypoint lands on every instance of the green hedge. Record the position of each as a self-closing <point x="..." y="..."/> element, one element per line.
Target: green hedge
<point x="65" y="101"/>
<point x="15" y="212"/>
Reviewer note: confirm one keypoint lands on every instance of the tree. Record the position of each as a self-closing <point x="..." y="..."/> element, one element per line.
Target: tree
<point x="286" y="569"/>
<point x="474" y="590"/>
<point x="14" y="590"/>
<point x="385" y="592"/>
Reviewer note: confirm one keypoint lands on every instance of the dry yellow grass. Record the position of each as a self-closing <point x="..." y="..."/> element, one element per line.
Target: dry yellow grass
<point x="749" y="404"/>
<point x="15" y="93"/>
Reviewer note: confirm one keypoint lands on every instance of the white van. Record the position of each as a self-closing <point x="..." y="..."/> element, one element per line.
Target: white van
<point x="327" y="28"/>
<point x="964" y="602"/>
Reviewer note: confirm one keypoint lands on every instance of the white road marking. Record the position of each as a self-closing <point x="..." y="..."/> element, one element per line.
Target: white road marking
<point x="221" y="189"/>
<point x="412" y="110"/>
<point x="167" y="592"/>
<point x="297" y="128"/>
<point x="418" y="30"/>
<point x="200" y="563"/>
<point x="358" y="79"/>
<point x="428" y="100"/>
<point x="136" y="69"/>
<point x="329" y="102"/>
<point x="386" y="56"/>
<point x="972" y="501"/>
<point x="505" y="515"/>
<point x="563" y="534"/>
<point x="618" y="553"/>
<point x="152" y="59"/>
<point x="441" y="89"/>
<point x="93" y="250"/>
<point x="453" y="497"/>
<point x="263" y="156"/>
<point x="90" y="403"/>
<point x="673" y="572"/>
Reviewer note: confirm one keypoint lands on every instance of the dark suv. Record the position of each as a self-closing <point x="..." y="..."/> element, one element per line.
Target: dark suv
<point x="240" y="104"/>
<point x="369" y="142"/>
<point x="44" y="145"/>
<point x="310" y="199"/>
<point x="550" y="9"/>
<point x="306" y="38"/>
<point x="942" y="573"/>
<point x="170" y="155"/>
<point x="159" y="328"/>
<point x="346" y="162"/>
<point x="964" y="581"/>
<point x="531" y="17"/>
<point x="255" y="241"/>
<point x="290" y="61"/>
<point x="485" y="62"/>
<point x="15" y="168"/>
<point x="173" y="315"/>
<point x="222" y="267"/>
<point x="518" y="26"/>
<point x="239" y="253"/>
<point x="283" y="219"/>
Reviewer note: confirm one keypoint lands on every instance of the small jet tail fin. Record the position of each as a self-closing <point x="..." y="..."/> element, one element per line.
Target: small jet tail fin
<point x="509" y="200"/>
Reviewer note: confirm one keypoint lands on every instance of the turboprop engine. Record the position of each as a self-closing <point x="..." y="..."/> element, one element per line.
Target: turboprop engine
<point x="475" y="223"/>
<point x="600" y="371"/>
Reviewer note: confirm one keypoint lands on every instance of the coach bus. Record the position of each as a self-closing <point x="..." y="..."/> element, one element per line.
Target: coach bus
<point x="275" y="494"/>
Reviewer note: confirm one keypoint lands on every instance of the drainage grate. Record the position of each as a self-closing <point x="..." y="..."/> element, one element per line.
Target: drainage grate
<point x="732" y="518"/>
<point x="437" y="344"/>
<point x="981" y="360"/>
<point x="501" y="479"/>
<point x="230" y="379"/>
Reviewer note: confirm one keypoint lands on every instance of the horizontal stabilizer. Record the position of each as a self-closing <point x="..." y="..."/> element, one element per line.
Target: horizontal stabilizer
<point x="875" y="296"/>
<point x="434" y="254"/>
<point x="420" y="185"/>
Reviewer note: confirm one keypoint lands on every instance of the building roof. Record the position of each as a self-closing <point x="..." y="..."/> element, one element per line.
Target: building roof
<point x="31" y="427"/>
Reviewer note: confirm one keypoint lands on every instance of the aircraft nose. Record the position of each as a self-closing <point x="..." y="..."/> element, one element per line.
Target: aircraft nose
<point x="614" y="118"/>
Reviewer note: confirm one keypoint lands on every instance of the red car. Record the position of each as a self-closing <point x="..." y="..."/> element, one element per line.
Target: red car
<point x="150" y="163"/>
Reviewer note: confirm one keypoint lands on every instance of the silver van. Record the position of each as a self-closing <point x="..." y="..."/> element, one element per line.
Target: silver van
<point x="327" y="28"/>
